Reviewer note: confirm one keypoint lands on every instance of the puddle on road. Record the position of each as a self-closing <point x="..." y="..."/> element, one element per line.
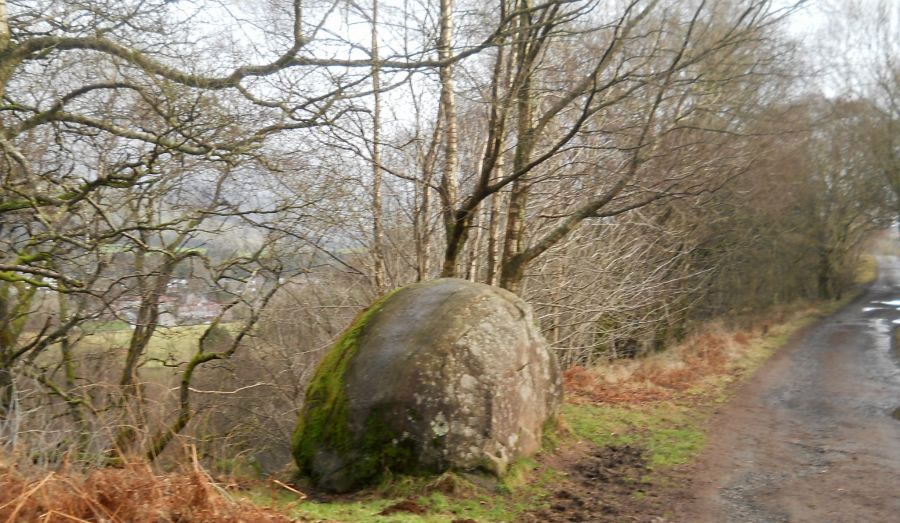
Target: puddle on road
<point x="887" y="326"/>
<point x="883" y="327"/>
<point x="880" y="306"/>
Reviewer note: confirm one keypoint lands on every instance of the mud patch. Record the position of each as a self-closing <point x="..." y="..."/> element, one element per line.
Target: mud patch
<point x="612" y="464"/>
<point x="602" y="484"/>
<point x="406" y="506"/>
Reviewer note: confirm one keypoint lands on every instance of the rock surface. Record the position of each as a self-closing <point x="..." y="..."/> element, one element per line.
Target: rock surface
<point x="440" y="375"/>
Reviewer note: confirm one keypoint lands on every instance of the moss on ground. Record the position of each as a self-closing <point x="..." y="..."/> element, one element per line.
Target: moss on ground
<point x="323" y="424"/>
<point x="444" y="499"/>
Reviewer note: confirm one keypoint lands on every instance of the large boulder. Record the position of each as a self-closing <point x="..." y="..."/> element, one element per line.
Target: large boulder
<point x="440" y="375"/>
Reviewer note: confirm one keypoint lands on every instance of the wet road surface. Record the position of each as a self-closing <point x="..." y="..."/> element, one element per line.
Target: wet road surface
<point x="811" y="437"/>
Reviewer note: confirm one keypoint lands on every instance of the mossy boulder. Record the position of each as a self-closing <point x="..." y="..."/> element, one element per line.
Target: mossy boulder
<point x="440" y="375"/>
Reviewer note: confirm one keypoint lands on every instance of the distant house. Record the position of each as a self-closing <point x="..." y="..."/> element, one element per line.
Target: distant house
<point x="127" y="309"/>
<point x="187" y="309"/>
<point x="196" y="308"/>
<point x="177" y="284"/>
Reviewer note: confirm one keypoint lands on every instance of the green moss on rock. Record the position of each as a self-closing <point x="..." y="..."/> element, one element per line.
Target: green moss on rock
<point x="323" y="424"/>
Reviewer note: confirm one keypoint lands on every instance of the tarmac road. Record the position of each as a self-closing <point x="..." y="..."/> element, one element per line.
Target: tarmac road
<point x="811" y="437"/>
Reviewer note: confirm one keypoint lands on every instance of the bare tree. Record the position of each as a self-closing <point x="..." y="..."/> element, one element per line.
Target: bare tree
<point x="708" y="45"/>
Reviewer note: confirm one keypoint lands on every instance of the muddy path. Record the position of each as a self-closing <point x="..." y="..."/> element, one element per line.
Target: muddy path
<point x="813" y="436"/>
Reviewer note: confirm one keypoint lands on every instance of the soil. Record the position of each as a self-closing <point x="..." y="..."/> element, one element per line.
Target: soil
<point x="601" y="484"/>
<point x="408" y="506"/>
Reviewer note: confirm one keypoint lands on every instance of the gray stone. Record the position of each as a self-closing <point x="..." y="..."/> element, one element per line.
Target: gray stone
<point x="441" y="375"/>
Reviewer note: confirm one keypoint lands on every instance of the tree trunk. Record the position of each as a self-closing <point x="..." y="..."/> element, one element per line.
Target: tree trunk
<point x="423" y="212"/>
<point x="12" y="323"/>
<point x="493" y="246"/>
<point x="454" y="224"/>
<point x="147" y="322"/>
<point x="473" y="265"/>
<point x="4" y="27"/>
<point x="7" y="396"/>
<point x="825" y="277"/>
<point x="511" y="272"/>
<point x="377" y="223"/>
<point x="502" y="79"/>
<point x="6" y="349"/>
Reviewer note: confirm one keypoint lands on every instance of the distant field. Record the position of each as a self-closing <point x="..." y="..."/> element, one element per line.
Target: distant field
<point x="169" y="344"/>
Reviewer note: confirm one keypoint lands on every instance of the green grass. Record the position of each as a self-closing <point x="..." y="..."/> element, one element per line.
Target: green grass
<point x="341" y="511"/>
<point x="670" y="433"/>
<point x="105" y="326"/>
<point x="168" y="344"/>
<point x="526" y="490"/>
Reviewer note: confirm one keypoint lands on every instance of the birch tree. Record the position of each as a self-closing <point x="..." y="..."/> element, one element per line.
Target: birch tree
<point x="653" y="87"/>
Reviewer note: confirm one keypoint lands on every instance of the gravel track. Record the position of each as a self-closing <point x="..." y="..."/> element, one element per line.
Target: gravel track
<point x="811" y="437"/>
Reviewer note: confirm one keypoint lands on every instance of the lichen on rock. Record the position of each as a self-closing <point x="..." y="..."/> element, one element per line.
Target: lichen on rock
<point x="440" y="375"/>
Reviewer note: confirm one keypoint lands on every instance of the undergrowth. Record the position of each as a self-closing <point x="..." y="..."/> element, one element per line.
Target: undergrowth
<point x="134" y="494"/>
<point x="700" y="366"/>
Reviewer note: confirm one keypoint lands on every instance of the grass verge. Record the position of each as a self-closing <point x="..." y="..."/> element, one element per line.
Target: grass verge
<point x="448" y="498"/>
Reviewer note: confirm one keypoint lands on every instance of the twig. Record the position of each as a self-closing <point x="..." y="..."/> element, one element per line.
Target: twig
<point x="208" y="480"/>
<point x="235" y="391"/>
<point x="290" y="488"/>
<point x="46" y="517"/>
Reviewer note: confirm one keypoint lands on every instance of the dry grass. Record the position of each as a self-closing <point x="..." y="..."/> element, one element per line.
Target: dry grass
<point x="133" y="494"/>
<point x="701" y="359"/>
